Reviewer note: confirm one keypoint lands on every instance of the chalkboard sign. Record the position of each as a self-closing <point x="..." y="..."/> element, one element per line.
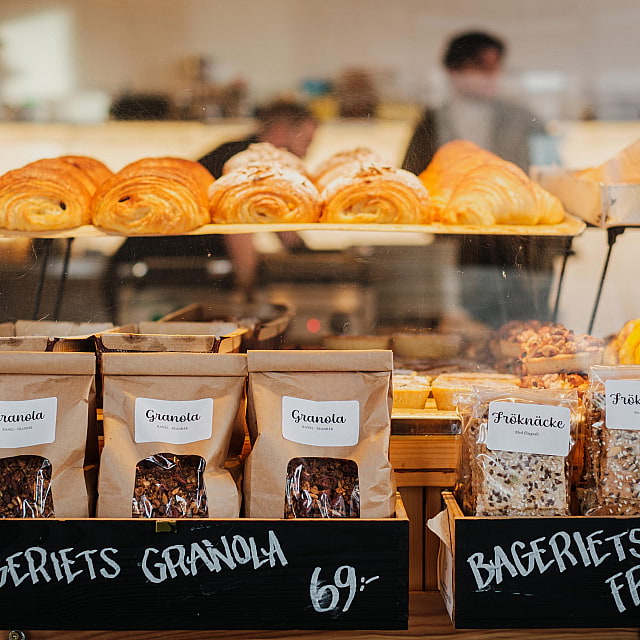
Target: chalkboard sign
<point x="546" y="572"/>
<point x="204" y="574"/>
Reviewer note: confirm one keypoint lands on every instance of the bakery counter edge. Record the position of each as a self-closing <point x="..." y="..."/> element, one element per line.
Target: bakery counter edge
<point x="569" y="227"/>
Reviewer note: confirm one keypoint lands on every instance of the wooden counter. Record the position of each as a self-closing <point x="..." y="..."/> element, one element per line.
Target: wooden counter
<point x="427" y="620"/>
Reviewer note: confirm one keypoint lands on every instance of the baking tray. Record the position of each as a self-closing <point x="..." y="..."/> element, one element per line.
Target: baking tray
<point x="570" y="226"/>
<point x="599" y="204"/>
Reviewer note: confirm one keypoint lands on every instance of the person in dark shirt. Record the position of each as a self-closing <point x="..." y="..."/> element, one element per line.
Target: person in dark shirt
<point x="284" y="124"/>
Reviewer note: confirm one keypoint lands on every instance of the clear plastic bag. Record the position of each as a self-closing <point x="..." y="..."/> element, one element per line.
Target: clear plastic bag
<point x="25" y="487"/>
<point x="170" y="486"/>
<point x="322" y="488"/>
<point x="502" y="482"/>
<point x="612" y="479"/>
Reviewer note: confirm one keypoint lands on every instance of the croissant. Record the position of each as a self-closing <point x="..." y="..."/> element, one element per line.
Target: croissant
<point x="264" y="194"/>
<point x="449" y="165"/>
<point x="342" y="163"/>
<point x="261" y="154"/>
<point x="94" y="171"/>
<point x="500" y="193"/>
<point x="378" y="194"/>
<point x="45" y="195"/>
<point x="153" y="196"/>
<point x="623" y="167"/>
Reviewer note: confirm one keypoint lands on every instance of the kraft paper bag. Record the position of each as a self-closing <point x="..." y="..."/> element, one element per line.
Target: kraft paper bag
<point x="320" y="423"/>
<point x="168" y="422"/>
<point x="47" y="434"/>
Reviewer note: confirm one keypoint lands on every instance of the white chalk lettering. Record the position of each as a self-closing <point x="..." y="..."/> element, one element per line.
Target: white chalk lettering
<point x="36" y="564"/>
<point x="160" y="565"/>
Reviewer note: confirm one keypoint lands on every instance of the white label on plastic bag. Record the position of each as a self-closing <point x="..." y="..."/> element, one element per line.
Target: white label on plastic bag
<point x="623" y="404"/>
<point x="173" y="421"/>
<point x="321" y="423"/>
<point x="27" y="423"/>
<point x="529" y="428"/>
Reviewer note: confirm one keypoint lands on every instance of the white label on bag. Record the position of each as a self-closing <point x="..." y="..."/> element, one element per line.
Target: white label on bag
<point x="623" y="404"/>
<point x="321" y="423"/>
<point x="529" y="428"/>
<point x="27" y="423"/>
<point x="173" y="421"/>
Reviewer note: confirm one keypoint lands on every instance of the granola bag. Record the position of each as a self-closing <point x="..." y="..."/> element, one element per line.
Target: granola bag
<point x="319" y="422"/>
<point x="612" y="485"/>
<point x="47" y="434"/>
<point x="168" y="422"/>
<point x="516" y="452"/>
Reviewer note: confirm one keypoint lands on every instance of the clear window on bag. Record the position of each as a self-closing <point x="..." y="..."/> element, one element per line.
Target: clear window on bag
<point x="25" y="489"/>
<point x="170" y="486"/>
<point x="322" y="488"/>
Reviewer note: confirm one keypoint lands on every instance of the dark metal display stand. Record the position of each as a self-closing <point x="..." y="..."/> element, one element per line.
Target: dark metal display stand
<point x="44" y="266"/>
<point x="612" y="235"/>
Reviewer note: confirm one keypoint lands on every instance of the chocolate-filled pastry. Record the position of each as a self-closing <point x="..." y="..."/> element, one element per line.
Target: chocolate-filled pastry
<point x="45" y="195"/>
<point x="95" y="171"/>
<point x="263" y="193"/>
<point x="377" y="194"/>
<point x="154" y="196"/>
<point x="261" y="154"/>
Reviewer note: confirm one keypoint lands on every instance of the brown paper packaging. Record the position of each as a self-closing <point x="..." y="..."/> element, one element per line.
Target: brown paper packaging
<point x="177" y="377"/>
<point x="364" y="376"/>
<point x="70" y="378"/>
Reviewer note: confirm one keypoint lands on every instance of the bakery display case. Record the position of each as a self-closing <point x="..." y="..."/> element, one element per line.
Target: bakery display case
<point x="311" y="449"/>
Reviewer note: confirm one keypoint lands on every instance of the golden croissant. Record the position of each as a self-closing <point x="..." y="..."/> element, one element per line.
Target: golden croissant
<point x="500" y="193"/>
<point x="261" y="154"/>
<point x="376" y="194"/>
<point x="269" y="194"/>
<point x="94" y="171"/>
<point x="45" y="195"/>
<point x="449" y="165"/>
<point x="154" y="196"/>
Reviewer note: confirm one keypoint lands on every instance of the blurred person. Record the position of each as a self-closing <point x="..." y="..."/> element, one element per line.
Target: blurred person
<point x="502" y="277"/>
<point x="474" y="111"/>
<point x="284" y="124"/>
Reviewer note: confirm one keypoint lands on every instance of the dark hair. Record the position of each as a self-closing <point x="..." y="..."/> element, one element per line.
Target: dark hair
<point x="467" y="47"/>
<point x="288" y="110"/>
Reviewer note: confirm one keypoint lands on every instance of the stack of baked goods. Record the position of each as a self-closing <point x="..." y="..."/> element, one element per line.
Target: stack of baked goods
<point x="50" y="194"/>
<point x="263" y="187"/>
<point x="471" y="186"/>
<point x="153" y="196"/>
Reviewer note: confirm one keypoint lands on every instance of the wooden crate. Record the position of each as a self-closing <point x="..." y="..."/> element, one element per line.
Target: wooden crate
<point x="552" y="572"/>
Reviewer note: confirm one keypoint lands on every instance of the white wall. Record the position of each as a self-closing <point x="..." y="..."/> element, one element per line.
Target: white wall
<point x="140" y="44"/>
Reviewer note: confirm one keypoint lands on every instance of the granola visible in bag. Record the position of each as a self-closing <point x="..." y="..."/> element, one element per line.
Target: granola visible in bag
<point x="170" y="486"/>
<point x="26" y="487"/>
<point x="322" y="488"/>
